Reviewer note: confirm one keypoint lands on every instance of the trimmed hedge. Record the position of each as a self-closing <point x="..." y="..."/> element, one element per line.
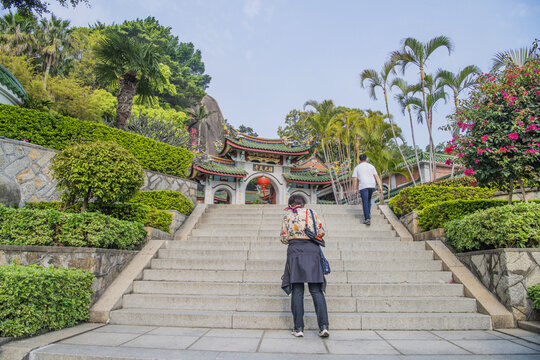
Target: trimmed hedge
<point x="55" y="228"/>
<point x="458" y="181"/>
<point x="534" y="295"/>
<point x="417" y="197"/>
<point x="436" y="215"/>
<point x="58" y="132"/>
<point x="165" y="200"/>
<point x="142" y="213"/>
<point x="33" y="298"/>
<point x="509" y="226"/>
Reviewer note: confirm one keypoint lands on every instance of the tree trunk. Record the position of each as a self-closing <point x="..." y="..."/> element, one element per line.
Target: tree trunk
<point x="523" y="191"/>
<point x="47" y="70"/>
<point x="431" y="159"/>
<point x="395" y="138"/>
<point x="511" y="192"/>
<point x="454" y="129"/>
<point x="414" y="145"/>
<point x="128" y="86"/>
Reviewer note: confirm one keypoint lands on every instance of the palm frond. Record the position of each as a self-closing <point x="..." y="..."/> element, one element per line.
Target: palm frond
<point x="374" y="81"/>
<point x="437" y="42"/>
<point x="513" y="56"/>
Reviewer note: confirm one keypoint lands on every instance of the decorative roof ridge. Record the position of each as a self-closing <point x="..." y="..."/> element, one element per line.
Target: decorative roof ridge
<point x="12" y="83"/>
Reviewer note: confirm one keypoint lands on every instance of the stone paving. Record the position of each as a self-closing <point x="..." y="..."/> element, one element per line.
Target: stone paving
<point x="147" y="342"/>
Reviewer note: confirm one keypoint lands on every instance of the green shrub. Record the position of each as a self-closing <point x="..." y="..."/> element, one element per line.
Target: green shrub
<point x="455" y="182"/>
<point x="50" y="227"/>
<point x="100" y="170"/>
<point x="509" y="226"/>
<point x="436" y="215"/>
<point x="122" y="211"/>
<point x="534" y="295"/>
<point x="418" y="197"/>
<point x="33" y="298"/>
<point x="59" y="132"/>
<point x="165" y="200"/>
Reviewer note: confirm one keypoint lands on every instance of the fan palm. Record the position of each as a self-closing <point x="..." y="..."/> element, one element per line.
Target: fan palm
<point x="458" y="82"/>
<point x="405" y="100"/>
<point x="16" y="33"/>
<point x="131" y="65"/>
<point x="514" y="56"/>
<point x="417" y="53"/>
<point x="381" y="80"/>
<point x="54" y="39"/>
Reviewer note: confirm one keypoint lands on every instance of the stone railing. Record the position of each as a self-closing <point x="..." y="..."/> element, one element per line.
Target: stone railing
<point x="105" y="264"/>
<point x="507" y="273"/>
<point x="27" y="166"/>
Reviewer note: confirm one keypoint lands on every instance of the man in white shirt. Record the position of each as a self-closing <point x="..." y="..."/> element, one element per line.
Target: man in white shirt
<point x="365" y="178"/>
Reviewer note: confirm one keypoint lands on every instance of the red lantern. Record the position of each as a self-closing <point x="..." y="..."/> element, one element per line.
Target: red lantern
<point x="263" y="182"/>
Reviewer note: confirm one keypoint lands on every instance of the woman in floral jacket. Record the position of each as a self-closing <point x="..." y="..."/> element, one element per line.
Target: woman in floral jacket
<point x="303" y="265"/>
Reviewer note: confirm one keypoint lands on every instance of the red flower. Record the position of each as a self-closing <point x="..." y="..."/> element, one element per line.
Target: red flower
<point x="513" y="136"/>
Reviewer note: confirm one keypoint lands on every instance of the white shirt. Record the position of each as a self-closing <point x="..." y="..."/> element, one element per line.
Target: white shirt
<point x="365" y="172"/>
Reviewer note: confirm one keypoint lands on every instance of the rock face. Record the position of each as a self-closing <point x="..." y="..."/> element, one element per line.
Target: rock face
<point x="10" y="195"/>
<point x="214" y="129"/>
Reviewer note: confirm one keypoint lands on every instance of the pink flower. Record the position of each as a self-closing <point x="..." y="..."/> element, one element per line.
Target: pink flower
<point x="469" y="171"/>
<point x="484" y="138"/>
<point x="448" y="161"/>
<point x="479" y="151"/>
<point x="513" y="136"/>
<point x="476" y="161"/>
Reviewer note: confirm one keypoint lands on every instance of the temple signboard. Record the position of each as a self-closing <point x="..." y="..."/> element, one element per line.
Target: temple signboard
<point x="261" y="167"/>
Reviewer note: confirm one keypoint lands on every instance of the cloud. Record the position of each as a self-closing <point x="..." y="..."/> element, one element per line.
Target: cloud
<point x="248" y="55"/>
<point x="252" y="8"/>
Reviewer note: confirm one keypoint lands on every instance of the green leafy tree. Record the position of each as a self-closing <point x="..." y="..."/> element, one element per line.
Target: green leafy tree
<point x="100" y="170"/>
<point x="84" y="42"/>
<point x="16" y="34"/>
<point x="499" y="142"/>
<point x="416" y="53"/>
<point x="296" y="127"/>
<point x="132" y="66"/>
<point x="382" y="80"/>
<point x="248" y="130"/>
<point x="37" y="6"/>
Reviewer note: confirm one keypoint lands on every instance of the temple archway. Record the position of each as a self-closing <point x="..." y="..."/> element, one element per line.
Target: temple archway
<point x="223" y="195"/>
<point x="252" y="194"/>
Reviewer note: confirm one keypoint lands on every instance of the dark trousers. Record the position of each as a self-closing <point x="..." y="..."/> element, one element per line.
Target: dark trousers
<point x="297" y="304"/>
<point x="365" y="194"/>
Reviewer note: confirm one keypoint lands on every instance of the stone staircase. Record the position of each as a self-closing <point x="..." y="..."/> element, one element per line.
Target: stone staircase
<point x="228" y="275"/>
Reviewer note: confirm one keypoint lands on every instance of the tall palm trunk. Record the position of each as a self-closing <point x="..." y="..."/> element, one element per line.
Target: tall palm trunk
<point x="47" y="70"/>
<point x="128" y="86"/>
<point x="454" y="130"/>
<point x="431" y="150"/>
<point x="395" y="137"/>
<point x="414" y="145"/>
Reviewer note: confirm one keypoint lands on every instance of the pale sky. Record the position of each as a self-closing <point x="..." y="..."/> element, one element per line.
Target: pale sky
<point x="268" y="57"/>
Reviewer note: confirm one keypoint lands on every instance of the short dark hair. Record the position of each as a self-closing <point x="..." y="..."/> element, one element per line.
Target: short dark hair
<point x="296" y="200"/>
<point x="362" y="157"/>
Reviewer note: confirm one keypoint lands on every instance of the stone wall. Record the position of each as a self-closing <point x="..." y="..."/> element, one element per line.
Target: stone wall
<point x="27" y="165"/>
<point x="411" y="222"/>
<point x="507" y="273"/>
<point x="105" y="264"/>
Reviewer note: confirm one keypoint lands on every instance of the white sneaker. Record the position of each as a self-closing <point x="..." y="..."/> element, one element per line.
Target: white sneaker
<point x="297" y="333"/>
<point x="324" y="333"/>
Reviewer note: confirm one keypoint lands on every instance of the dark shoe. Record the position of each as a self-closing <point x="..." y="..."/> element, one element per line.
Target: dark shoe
<point x="324" y="332"/>
<point x="367" y="222"/>
<point x="298" y="332"/>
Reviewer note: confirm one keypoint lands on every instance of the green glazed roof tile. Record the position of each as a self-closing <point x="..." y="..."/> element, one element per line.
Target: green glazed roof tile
<point x="8" y="80"/>
<point x="280" y="147"/>
<point x="221" y="168"/>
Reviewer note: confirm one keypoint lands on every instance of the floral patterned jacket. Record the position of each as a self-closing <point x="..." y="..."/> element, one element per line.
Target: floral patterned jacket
<point x="294" y="223"/>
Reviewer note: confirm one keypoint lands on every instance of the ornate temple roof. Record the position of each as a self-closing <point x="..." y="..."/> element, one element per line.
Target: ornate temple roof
<point x="9" y="81"/>
<point x="213" y="165"/>
<point x="237" y="140"/>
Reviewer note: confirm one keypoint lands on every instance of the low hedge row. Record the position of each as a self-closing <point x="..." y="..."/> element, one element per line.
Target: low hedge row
<point x="147" y="215"/>
<point x="33" y="298"/>
<point x="55" y="228"/>
<point x="165" y="200"/>
<point x="509" y="226"/>
<point x="58" y="132"/>
<point x="457" y="181"/>
<point x="534" y="295"/>
<point x="436" y="215"/>
<point x="418" y="197"/>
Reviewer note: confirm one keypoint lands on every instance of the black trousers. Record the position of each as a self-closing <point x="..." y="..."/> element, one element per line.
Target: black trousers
<point x="297" y="304"/>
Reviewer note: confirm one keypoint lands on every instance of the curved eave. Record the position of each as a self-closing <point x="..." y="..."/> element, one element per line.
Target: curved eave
<point x="240" y="147"/>
<point x="204" y="171"/>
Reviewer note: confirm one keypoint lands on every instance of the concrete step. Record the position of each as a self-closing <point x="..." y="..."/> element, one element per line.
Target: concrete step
<point x="273" y="276"/>
<point x="273" y="237"/>
<point x="209" y="243"/>
<point x="281" y="254"/>
<point x="283" y="304"/>
<point x="214" y="231"/>
<point x="256" y="265"/>
<point x="274" y="289"/>
<point x="268" y="320"/>
<point x="330" y="228"/>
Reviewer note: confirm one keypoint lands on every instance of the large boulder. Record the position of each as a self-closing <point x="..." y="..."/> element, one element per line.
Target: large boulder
<point x="214" y="130"/>
<point x="10" y="194"/>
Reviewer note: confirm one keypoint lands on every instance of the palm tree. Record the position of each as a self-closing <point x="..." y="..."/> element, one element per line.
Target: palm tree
<point x="197" y="117"/>
<point x="514" y="56"/>
<point x="405" y="100"/>
<point x="16" y="33"/>
<point x="54" y="39"/>
<point x="417" y="53"/>
<point x="382" y="81"/>
<point x="131" y="65"/>
<point x="458" y="82"/>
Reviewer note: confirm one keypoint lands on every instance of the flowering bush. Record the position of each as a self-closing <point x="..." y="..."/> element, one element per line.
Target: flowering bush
<point x="499" y="140"/>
